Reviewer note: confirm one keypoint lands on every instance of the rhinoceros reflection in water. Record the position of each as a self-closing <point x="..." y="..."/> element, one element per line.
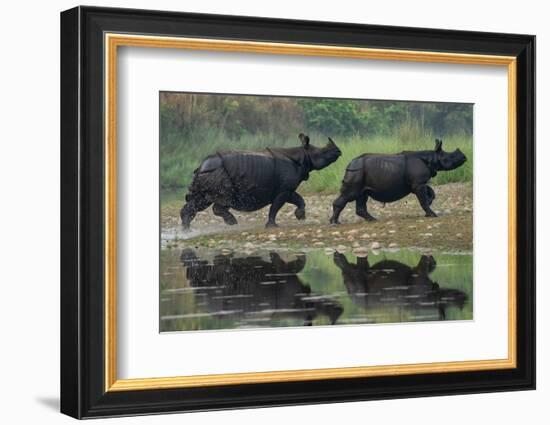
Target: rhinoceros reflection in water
<point x="254" y="290"/>
<point x="392" y="283"/>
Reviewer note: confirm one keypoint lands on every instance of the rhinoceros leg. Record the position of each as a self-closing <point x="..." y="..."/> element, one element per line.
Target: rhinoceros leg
<point x="338" y="205"/>
<point x="424" y="196"/>
<point x="223" y="212"/>
<point x="361" y="208"/>
<point x="431" y="195"/>
<point x="276" y="205"/>
<point x="190" y="210"/>
<point x="297" y="200"/>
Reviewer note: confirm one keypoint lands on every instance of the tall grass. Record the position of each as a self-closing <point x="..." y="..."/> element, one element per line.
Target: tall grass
<point x="181" y="156"/>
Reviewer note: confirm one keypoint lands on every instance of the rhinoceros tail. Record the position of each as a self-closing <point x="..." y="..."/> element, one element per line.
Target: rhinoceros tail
<point x="353" y="180"/>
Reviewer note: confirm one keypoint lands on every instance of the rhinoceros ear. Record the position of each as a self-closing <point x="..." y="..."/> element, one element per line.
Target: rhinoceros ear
<point x="304" y="139"/>
<point x="438" y="145"/>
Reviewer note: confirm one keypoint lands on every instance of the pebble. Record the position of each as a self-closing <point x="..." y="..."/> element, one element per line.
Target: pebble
<point x="393" y="245"/>
<point x="318" y="244"/>
<point x="375" y="245"/>
<point x="226" y="251"/>
<point x="248" y="245"/>
<point x="341" y="248"/>
<point x="365" y="236"/>
<point x="391" y="231"/>
<point x="361" y="251"/>
<point x="329" y="251"/>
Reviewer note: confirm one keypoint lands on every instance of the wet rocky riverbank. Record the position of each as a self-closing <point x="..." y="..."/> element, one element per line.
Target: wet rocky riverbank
<point x="400" y="224"/>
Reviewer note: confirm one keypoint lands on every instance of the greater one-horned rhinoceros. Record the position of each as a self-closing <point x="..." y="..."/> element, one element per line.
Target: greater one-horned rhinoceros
<point x="388" y="178"/>
<point x="250" y="180"/>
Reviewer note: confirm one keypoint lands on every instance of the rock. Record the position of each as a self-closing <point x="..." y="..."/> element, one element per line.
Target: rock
<point x="226" y="251"/>
<point x="249" y="245"/>
<point x="341" y="248"/>
<point x="365" y="236"/>
<point x="459" y="235"/>
<point x="318" y="244"/>
<point x="355" y="244"/>
<point x="391" y="231"/>
<point x="245" y="233"/>
<point x="329" y="251"/>
<point x="352" y="232"/>
<point x="375" y="245"/>
<point x="375" y="252"/>
<point x="361" y="251"/>
<point x="393" y="245"/>
<point x="350" y="238"/>
<point x="301" y="236"/>
<point x="335" y="233"/>
<point x="426" y="234"/>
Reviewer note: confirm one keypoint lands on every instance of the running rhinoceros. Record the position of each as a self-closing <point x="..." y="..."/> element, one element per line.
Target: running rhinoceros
<point x="388" y="178"/>
<point x="250" y="180"/>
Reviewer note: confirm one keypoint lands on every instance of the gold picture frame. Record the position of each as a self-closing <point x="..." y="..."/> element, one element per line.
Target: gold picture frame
<point x="114" y="41"/>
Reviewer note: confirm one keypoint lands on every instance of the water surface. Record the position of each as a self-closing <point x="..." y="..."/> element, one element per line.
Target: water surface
<point x="204" y="290"/>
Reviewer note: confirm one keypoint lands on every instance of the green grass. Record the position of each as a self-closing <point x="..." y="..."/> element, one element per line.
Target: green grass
<point x="181" y="156"/>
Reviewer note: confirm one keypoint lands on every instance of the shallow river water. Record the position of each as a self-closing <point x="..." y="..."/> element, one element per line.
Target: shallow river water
<point x="202" y="289"/>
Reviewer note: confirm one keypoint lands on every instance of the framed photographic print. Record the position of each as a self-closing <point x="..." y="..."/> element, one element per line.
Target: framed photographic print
<point x="261" y="212"/>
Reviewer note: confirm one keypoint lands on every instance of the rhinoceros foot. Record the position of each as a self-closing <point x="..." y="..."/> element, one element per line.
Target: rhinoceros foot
<point x="271" y="224"/>
<point x="300" y="214"/>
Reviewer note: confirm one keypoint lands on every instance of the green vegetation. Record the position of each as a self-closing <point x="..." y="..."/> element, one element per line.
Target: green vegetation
<point x="193" y="126"/>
